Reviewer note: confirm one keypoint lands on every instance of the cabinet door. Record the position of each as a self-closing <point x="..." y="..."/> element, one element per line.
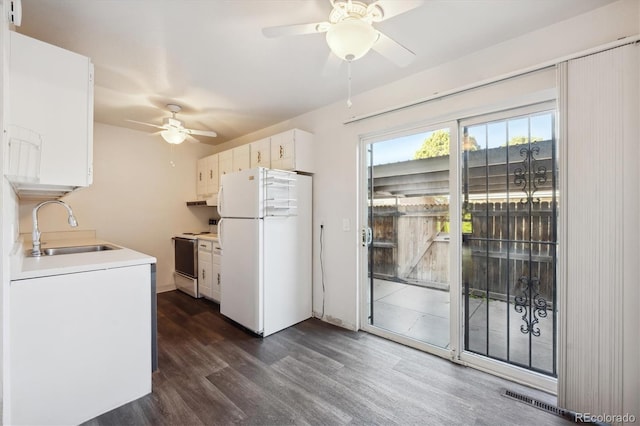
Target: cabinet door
<point x="205" y="274"/>
<point x="50" y="108"/>
<point x="261" y="153"/>
<point x="215" y="276"/>
<point x="201" y="180"/>
<point x="97" y="330"/>
<point x="212" y="174"/>
<point x="241" y="158"/>
<point x="283" y="151"/>
<point x="225" y="163"/>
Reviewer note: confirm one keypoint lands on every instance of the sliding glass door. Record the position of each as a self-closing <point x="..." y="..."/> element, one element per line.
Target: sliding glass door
<point x="509" y="211"/>
<point x="460" y="241"/>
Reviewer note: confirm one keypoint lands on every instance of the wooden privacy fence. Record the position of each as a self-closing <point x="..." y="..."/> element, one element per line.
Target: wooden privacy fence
<point x="411" y="245"/>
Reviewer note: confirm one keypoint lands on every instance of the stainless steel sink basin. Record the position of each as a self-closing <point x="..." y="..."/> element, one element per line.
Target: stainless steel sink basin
<point x="53" y="251"/>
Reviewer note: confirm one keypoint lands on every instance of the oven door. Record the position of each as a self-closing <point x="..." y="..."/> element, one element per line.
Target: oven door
<point x="186" y="256"/>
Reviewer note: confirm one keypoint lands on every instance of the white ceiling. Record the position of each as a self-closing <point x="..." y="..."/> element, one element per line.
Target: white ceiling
<point x="210" y="55"/>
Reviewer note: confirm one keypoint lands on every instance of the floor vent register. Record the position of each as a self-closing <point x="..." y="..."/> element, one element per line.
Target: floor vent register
<point x="544" y="406"/>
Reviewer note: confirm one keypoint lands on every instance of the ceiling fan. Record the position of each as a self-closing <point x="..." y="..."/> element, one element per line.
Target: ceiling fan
<point x="350" y="31"/>
<point x="172" y="129"/>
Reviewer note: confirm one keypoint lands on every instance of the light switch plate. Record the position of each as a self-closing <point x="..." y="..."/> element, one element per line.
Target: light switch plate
<point x="346" y="224"/>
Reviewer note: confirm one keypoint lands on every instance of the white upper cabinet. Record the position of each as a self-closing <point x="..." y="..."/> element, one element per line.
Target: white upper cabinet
<point x="292" y="150"/>
<point x="225" y="163"/>
<point x="207" y="176"/>
<point x="201" y="177"/>
<point x="49" y="119"/>
<point x="241" y="158"/>
<point x="261" y="153"/>
<point x="212" y="177"/>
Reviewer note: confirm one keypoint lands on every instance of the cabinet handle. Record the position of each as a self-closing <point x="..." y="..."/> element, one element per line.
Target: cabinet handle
<point x="259" y="157"/>
<point x="281" y="151"/>
<point x="210" y="174"/>
<point x="200" y="176"/>
<point x="218" y="278"/>
<point x="203" y="276"/>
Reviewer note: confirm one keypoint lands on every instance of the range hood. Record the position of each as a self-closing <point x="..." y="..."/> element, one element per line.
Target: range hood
<point x="211" y="201"/>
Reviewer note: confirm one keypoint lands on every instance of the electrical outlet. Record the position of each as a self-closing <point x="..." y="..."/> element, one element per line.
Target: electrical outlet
<point x="346" y="224"/>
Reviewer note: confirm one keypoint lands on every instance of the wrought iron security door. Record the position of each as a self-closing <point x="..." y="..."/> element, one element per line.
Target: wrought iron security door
<point x="509" y="201"/>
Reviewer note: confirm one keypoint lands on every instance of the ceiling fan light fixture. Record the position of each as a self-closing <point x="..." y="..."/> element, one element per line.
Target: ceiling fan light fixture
<point x="351" y="39"/>
<point x="173" y="136"/>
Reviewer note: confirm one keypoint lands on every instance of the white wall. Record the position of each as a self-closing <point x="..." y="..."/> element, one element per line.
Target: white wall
<point x="138" y="199"/>
<point x="336" y="144"/>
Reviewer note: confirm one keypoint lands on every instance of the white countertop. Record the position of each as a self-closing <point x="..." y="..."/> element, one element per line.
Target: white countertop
<point x="210" y="237"/>
<point x="23" y="266"/>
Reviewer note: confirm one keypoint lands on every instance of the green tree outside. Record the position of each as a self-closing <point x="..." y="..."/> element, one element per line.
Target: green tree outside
<point x="437" y="145"/>
<point x="521" y="140"/>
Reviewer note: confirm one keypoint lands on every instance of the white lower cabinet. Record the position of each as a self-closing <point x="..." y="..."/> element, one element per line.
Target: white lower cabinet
<point x="209" y="269"/>
<point x="215" y="275"/>
<point x="205" y="277"/>
<point x="80" y="344"/>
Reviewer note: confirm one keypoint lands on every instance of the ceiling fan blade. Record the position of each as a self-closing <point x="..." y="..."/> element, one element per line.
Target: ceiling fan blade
<point x="393" y="8"/>
<point x="393" y="51"/>
<point x="331" y="65"/>
<point x="298" y="29"/>
<point x="208" y="133"/>
<point x="147" y="124"/>
<point x="192" y="139"/>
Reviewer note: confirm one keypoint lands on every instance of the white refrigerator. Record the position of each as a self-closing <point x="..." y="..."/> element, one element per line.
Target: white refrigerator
<point x="265" y="236"/>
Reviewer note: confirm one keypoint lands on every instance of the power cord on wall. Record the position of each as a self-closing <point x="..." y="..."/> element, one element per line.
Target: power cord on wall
<point x="322" y="266"/>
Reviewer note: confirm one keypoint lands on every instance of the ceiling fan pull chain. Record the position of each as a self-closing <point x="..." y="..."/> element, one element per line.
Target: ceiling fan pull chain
<point x="171" y="162"/>
<point x="349" y="103"/>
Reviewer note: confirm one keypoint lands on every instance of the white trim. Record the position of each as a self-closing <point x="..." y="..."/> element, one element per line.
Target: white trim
<point x="404" y="340"/>
<point x="562" y="275"/>
<point x="455" y="244"/>
<point x="510" y="372"/>
<point x="490" y="81"/>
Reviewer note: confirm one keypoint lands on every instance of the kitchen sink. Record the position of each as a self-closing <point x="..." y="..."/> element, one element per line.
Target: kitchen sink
<point x="53" y="251"/>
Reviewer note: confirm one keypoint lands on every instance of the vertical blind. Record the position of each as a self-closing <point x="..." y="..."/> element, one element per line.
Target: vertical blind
<point x="599" y="371"/>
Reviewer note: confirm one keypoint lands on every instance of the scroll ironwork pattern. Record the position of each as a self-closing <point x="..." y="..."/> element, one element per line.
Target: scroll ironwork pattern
<point x="530" y="176"/>
<point x="531" y="305"/>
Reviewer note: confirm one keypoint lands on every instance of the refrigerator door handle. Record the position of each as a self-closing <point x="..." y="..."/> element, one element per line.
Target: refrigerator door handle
<point x="220" y="222"/>
<point x="220" y="197"/>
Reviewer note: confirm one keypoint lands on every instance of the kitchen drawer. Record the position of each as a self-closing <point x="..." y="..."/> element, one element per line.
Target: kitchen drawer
<point x="205" y="245"/>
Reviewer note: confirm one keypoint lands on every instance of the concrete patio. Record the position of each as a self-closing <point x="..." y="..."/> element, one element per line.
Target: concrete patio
<point x="422" y="314"/>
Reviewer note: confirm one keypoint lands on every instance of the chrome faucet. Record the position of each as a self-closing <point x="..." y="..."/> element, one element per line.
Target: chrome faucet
<point x="35" y="236"/>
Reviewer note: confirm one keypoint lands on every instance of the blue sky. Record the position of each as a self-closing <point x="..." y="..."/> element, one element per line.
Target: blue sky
<point x="491" y="135"/>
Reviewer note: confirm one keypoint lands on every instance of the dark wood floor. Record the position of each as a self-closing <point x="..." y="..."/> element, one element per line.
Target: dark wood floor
<point x="212" y="372"/>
